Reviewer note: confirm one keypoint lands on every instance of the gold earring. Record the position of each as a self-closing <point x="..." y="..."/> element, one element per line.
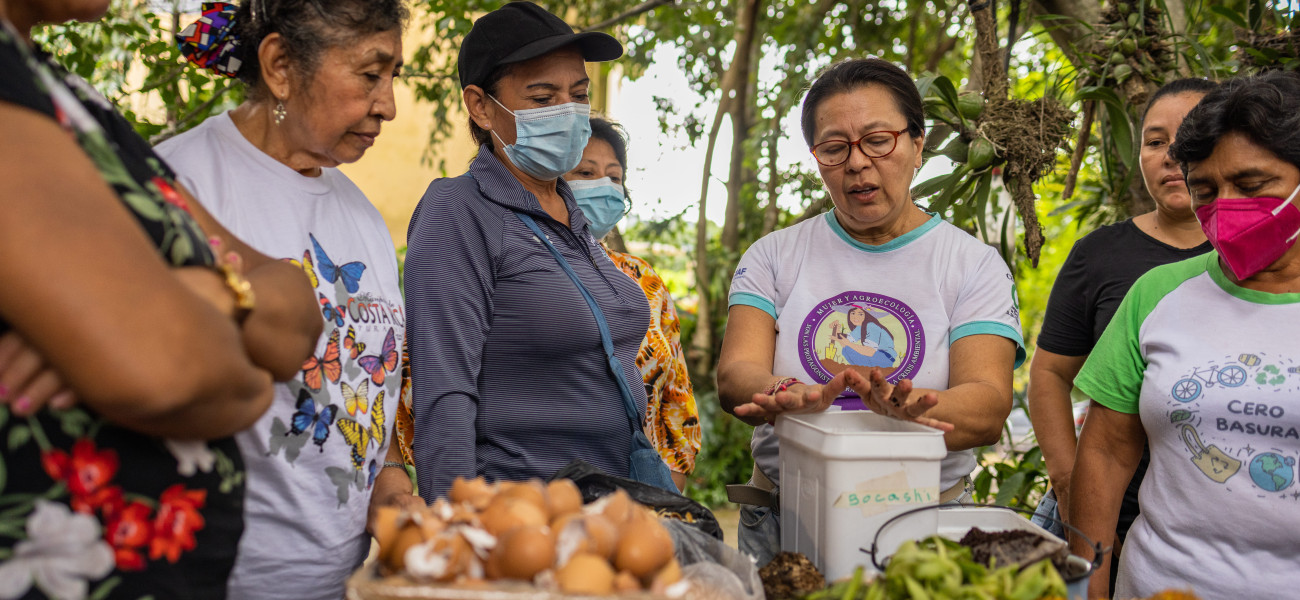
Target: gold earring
<point x="280" y="112"/>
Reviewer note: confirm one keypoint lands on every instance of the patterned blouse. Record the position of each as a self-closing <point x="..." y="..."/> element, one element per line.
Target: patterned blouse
<point x="673" y="419"/>
<point x="91" y="509"/>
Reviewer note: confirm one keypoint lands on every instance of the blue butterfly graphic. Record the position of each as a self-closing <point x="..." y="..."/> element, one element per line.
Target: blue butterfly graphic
<point x="307" y="419"/>
<point x="374" y="470"/>
<point x="350" y="272"/>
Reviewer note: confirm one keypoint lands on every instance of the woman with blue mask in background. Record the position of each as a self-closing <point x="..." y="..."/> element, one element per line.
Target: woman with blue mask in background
<point x="509" y="375"/>
<point x="672" y="420"/>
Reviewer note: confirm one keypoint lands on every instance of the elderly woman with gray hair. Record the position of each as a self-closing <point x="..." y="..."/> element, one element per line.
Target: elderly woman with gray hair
<point x="319" y="78"/>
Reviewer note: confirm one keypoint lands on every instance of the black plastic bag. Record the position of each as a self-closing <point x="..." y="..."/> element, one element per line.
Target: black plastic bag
<point x="595" y="484"/>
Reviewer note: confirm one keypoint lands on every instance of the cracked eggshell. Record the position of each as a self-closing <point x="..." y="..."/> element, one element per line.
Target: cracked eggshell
<point x="442" y="558"/>
<point x="666" y="577"/>
<point x="524" y="552"/>
<point x="626" y="582"/>
<point x="615" y="507"/>
<point x="562" y="498"/>
<point x="644" y="547"/>
<point x="532" y="491"/>
<point x="477" y="492"/>
<point x="505" y="513"/>
<point x="586" y="574"/>
<point x="407" y="537"/>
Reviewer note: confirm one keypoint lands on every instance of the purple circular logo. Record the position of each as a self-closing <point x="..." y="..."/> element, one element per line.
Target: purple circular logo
<point x="861" y="330"/>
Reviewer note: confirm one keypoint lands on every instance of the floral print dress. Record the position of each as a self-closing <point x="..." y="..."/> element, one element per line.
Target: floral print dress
<point x="89" y="509"/>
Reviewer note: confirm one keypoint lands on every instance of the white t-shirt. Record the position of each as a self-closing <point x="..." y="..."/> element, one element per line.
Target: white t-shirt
<point x="1213" y="371"/>
<point x="312" y="458"/>
<point x="912" y="296"/>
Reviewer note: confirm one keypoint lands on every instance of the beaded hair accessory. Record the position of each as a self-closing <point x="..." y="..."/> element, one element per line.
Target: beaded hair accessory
<point x="210" y="42"/>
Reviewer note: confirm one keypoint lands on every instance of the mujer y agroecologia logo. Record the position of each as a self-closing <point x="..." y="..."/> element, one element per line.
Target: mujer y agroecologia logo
<point x="861" y="330"/>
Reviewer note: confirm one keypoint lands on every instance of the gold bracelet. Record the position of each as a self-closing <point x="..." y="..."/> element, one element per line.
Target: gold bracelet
<point x="245" y="299"/>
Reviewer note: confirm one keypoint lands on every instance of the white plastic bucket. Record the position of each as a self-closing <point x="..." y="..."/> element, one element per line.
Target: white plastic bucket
<point x="844" y="474"/>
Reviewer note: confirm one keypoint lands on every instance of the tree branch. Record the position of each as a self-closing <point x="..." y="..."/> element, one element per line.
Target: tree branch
<point x="1080" y="148"/>
<point x="986" y="46"/>
<point x="643" y="7"/>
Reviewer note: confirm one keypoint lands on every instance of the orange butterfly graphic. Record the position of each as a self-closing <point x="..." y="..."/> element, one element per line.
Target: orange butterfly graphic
<point x="352" y="345"/>
<point x="327" y="366"/>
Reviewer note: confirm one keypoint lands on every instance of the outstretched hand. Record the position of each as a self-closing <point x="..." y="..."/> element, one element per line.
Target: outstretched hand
<point x="876" y="392"/>
<point x="895" y="401"/>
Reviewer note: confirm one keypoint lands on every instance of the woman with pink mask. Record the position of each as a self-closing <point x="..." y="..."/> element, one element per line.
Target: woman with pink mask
<point x="1216" y="400"/>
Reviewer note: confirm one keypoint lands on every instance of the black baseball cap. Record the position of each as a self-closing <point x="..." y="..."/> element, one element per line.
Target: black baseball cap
<point x="521" y="31"/>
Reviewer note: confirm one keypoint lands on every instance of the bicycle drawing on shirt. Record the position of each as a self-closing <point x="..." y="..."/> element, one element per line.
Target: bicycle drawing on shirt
<point x="1188" y="389"/>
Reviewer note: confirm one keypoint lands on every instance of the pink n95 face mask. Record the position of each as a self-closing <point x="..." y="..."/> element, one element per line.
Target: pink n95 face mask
<point x="1250" y="233"/>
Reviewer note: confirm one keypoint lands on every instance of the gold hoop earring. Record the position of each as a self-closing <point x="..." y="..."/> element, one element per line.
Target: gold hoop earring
<point x="280" y="112"/>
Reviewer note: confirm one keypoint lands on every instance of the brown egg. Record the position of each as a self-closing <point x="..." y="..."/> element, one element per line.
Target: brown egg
<point x="477" y="492"/>
<point x="410" y="535"/>
<point x="644" y="547"/>
<point x="562" y="498"/>
<point x="670" y="574"/>
<point x="586" y="574"/>
<point x="626" y="582"/>
<point x="505" y="513"/>
<point x="523" y="552"/>
<point x="532" y="491"/>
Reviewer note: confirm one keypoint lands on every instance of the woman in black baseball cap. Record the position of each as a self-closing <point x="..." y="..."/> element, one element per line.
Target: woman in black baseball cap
<point x="510" y="377"/>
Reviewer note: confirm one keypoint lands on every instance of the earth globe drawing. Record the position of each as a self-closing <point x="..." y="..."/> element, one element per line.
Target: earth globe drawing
<point x="1271" y="472"/>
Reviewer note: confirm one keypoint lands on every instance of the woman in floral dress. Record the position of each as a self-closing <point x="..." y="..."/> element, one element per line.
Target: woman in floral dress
<point x="121" y="294"/>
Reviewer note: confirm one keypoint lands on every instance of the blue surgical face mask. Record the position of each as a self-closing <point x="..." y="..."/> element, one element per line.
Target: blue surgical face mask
<point x="548" y="141"/>
<point x="602" y="201"/>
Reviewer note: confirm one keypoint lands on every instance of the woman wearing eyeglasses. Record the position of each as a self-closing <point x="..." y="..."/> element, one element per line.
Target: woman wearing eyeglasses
<point x="946" y="300"/>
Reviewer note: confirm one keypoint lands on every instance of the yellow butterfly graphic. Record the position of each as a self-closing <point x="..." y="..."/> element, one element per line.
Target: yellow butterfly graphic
<point x="359" y="437"/>
<point x="355" y="399"/>
<point x="307" y="267"/>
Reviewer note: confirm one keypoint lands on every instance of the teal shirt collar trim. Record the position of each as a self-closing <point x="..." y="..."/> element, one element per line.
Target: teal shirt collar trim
<point x="889" y="246"/>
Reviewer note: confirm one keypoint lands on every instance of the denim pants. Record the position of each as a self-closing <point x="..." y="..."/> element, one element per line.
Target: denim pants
<point x="1048" y="515"/>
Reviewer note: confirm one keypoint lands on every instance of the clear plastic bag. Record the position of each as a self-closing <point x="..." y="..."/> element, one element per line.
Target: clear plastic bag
<point x="715" y="570"/>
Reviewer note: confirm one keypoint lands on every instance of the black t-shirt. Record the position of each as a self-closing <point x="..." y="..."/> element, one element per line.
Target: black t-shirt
<point x="1099" y="271"/>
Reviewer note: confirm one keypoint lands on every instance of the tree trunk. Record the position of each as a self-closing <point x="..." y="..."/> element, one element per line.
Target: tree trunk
<point x="772" y="211"/>
<point x="1068" y="34"/>
<point x="746" y="18"/>
<point x="702" y="340"/>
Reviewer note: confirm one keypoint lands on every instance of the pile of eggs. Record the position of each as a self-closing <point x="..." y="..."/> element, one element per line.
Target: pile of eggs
<point x="530" y="531"/>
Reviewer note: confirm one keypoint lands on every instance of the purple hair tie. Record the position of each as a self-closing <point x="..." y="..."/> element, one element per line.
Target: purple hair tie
<point x="210" y="42"/>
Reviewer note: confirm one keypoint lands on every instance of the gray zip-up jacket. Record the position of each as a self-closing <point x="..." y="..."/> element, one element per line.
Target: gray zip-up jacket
<point x="509" y="379"/>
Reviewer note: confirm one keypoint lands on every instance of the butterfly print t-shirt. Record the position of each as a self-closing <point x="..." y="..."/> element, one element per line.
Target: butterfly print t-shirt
<point x="312" y="458"/>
